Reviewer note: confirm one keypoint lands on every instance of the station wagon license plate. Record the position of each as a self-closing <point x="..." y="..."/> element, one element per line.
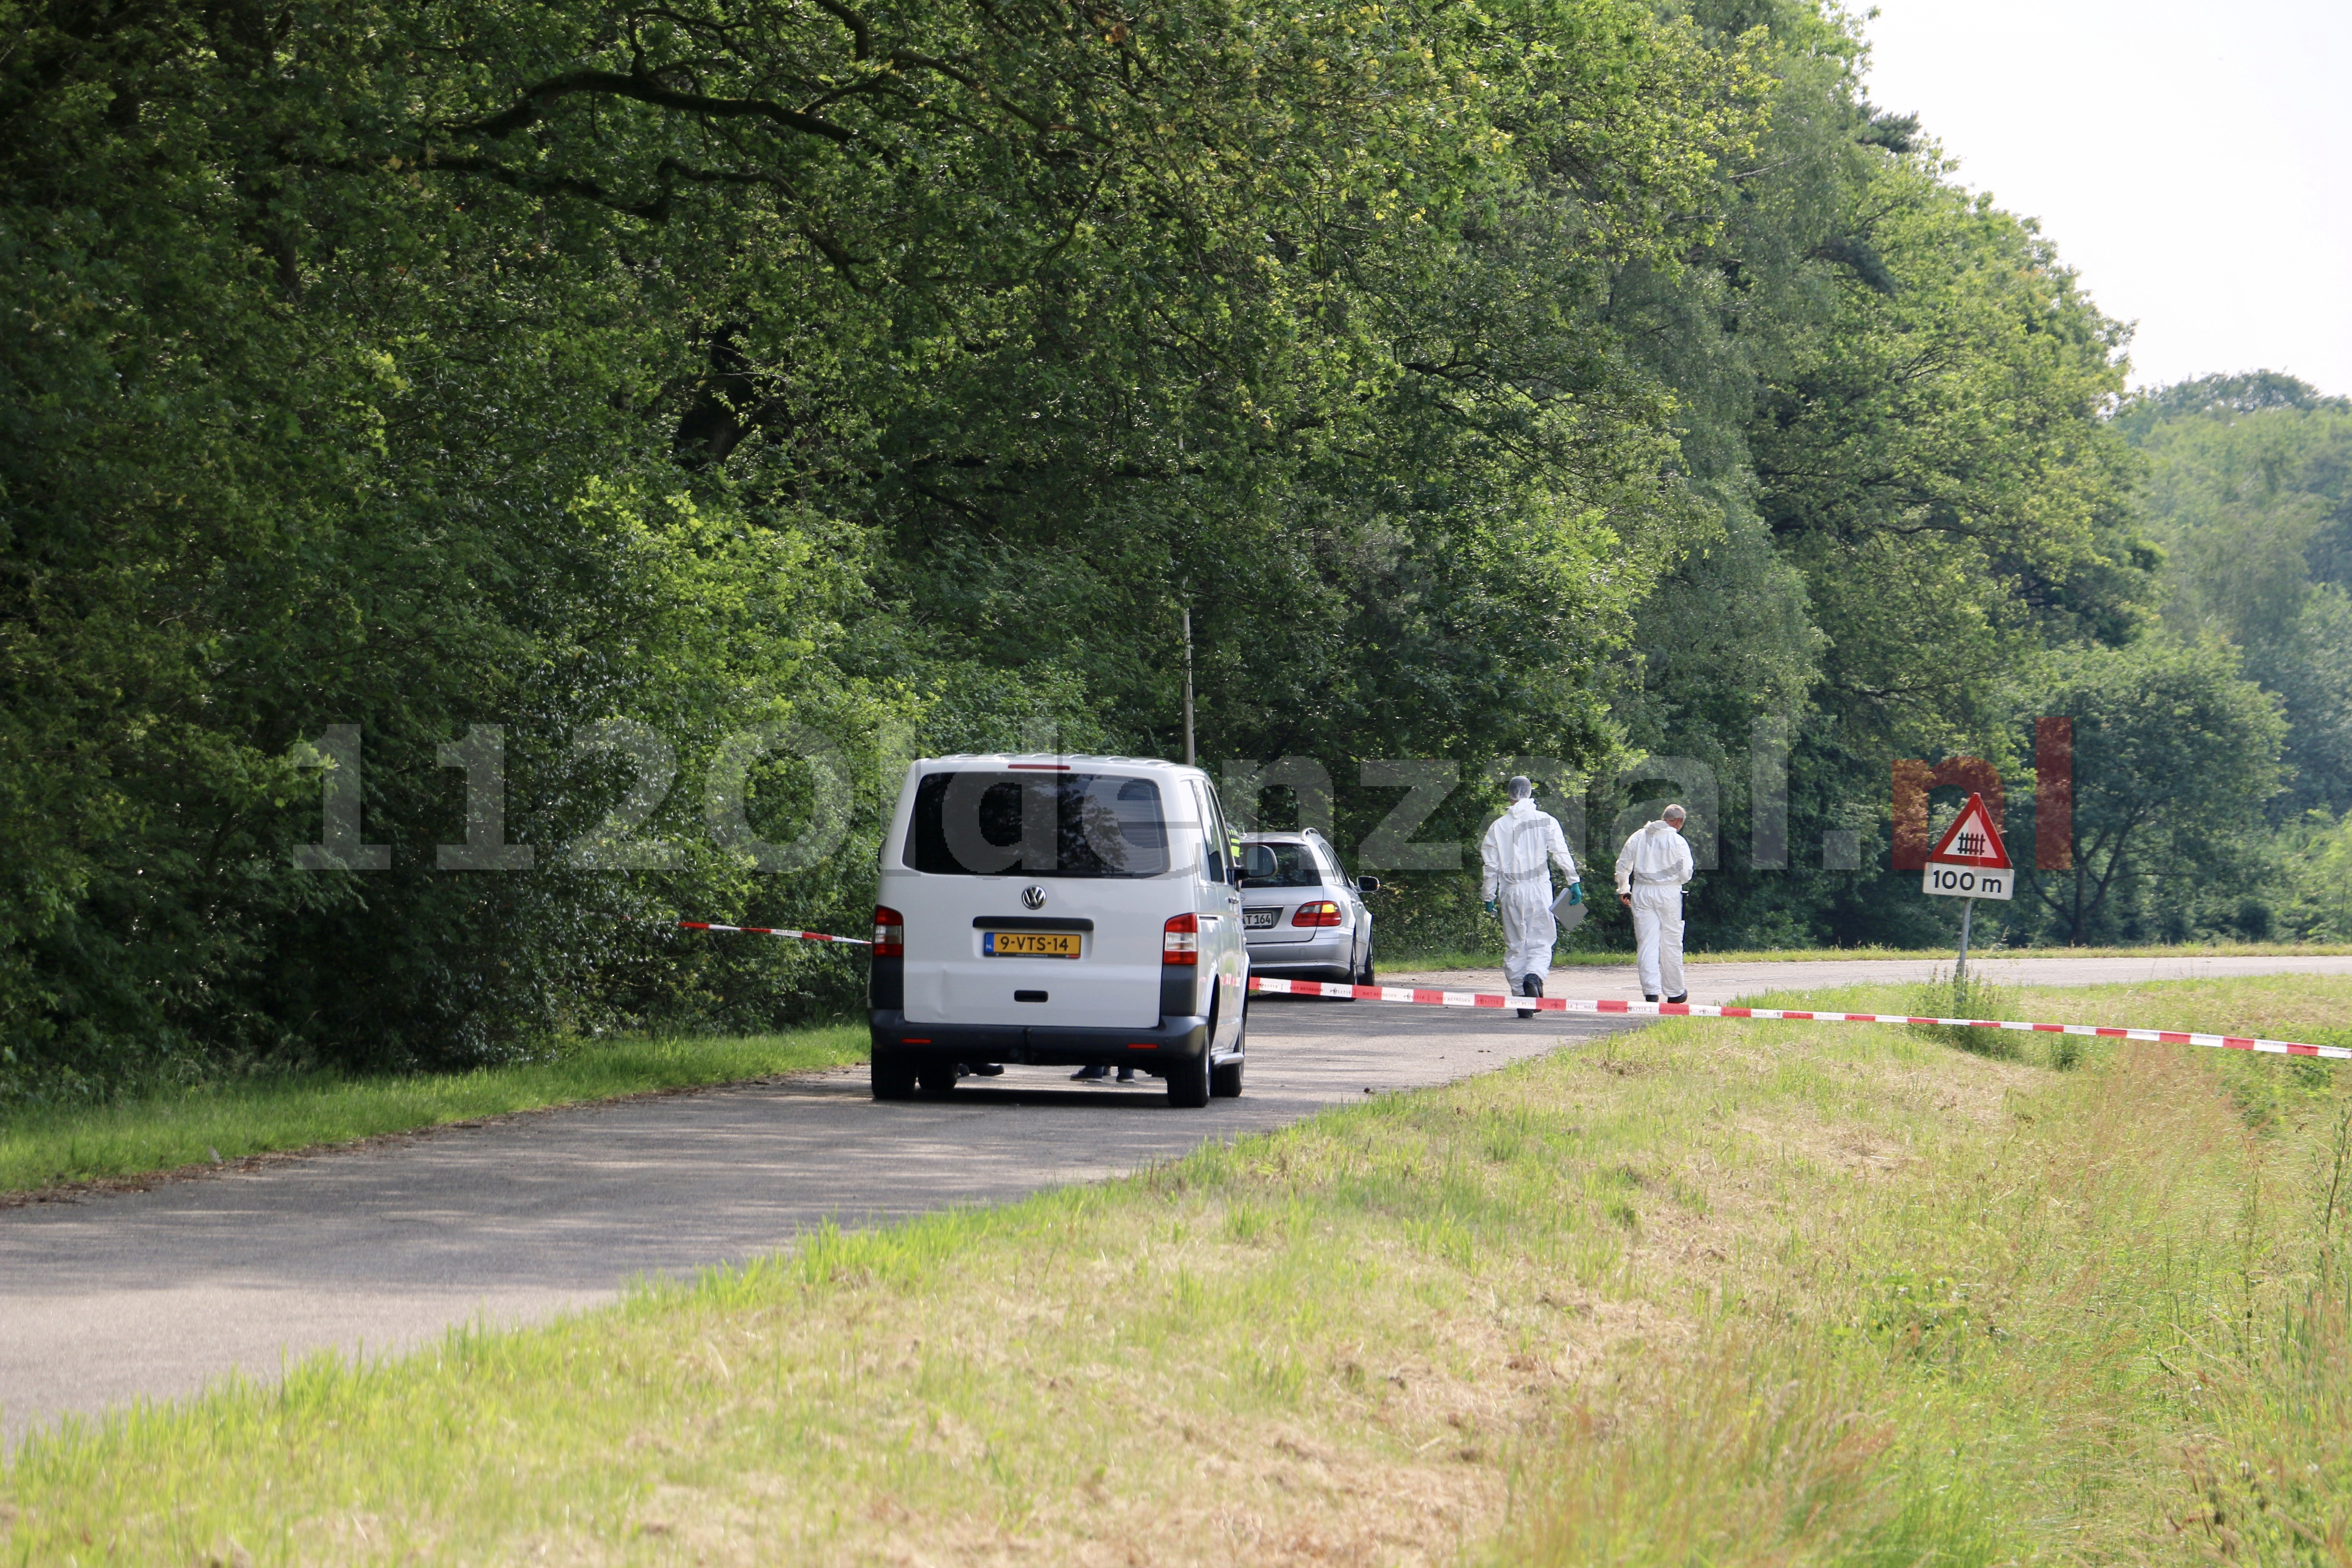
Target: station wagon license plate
<point x="1259" y="920"/>
<point x="1029" y="944"/>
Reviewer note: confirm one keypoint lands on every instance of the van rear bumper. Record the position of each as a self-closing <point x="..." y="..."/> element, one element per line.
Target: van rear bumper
<point x="914" y="1044"/>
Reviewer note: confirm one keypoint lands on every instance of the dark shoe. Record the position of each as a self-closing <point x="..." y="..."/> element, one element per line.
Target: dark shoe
<point x="1127" y="1075"/>
<point x="1649" y="996"/>
<point x="1098" y="1070"/>
<point x="1678" y="1001"/>
<point x="1529" y="986"/>
<point x="986" y="1069"/>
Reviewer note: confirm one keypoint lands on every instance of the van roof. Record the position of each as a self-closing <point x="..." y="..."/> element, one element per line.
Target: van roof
<point x="1049" y="760"/>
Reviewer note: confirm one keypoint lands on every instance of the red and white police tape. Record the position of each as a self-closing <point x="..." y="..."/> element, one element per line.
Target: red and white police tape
<point x="1429" y="998"/>
<point x="776" y="930"/>
<point x="1699" y="1010"/>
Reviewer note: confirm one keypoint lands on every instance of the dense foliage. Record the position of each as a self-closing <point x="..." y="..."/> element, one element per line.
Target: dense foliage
<point x="2251" y="494"/>
<point x="722" y="402"/>
<point x="864" y="380"/>
<point x="1900" y="395"/>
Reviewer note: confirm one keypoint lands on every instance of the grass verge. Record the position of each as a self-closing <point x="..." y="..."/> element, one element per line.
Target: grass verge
<point x="1713" y="1291"/>
<point x="218" y="1123"/>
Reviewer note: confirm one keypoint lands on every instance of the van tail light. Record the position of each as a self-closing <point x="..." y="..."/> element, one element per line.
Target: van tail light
<point x="1325" y="913"/>
<point x="889" y="933"/>
<point x="1179" y="941"/>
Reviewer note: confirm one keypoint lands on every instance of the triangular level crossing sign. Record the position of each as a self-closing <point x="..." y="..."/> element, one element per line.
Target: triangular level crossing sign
<point x="1972" y="840"/>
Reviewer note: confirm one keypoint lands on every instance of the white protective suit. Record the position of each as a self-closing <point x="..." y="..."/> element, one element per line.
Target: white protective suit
<point x="1653" y="868"/>
<point x="1519" y="851"/>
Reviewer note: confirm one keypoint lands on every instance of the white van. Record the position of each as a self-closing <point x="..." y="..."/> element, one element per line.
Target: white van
<point x="1058" y="911"/>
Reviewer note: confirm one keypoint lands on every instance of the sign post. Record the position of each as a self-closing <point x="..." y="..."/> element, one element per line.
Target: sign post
<point x="1969" y="863"/>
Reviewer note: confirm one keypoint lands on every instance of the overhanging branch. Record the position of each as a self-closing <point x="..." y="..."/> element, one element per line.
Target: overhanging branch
<point x="645" y="88"/>
<point x="862" y="35"/>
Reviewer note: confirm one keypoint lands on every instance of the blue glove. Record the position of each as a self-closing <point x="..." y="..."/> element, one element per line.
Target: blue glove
<point x="1575" y="893"/>
<point x="1490" y="906"/>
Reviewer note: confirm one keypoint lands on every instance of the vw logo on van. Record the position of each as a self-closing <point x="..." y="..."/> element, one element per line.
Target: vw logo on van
<point x="1033" y="897"/>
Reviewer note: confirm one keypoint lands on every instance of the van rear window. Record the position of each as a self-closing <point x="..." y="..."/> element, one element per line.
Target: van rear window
<point x="981" y="823"/>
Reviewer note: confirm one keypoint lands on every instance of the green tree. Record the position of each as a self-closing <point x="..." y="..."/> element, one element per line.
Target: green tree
<point x="730" y="364"/>
<point x="2176" y="754"/>
<point x="1559" y="377"/>
<point x="2248" y="493"/>
<point x="1895" y="394"/>
<point x="2317" y="851"/>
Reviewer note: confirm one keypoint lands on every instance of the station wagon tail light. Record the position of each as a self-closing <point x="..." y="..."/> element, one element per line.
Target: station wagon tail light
<point x="1322" y="913"/>
<point x="1180" y="941"/>
<point x="889" y="933"/>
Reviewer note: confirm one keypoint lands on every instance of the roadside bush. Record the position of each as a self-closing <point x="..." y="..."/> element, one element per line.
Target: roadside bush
<point x="1971" y="997"/>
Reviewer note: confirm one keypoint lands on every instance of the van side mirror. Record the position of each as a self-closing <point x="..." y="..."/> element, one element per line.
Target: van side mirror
<point x="1368" y="884"/>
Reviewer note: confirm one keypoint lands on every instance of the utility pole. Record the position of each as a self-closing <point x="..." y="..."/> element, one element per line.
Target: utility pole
<point x="1188" y="683"/>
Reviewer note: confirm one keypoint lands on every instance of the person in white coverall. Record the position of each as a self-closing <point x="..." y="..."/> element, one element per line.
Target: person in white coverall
<point x="1519" y="852"/>
<point x="1651" y="872"/>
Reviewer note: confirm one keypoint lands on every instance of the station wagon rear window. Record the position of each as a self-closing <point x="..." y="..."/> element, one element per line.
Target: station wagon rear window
<point x="1282" y="866"/>
<point x="984" y="823"/>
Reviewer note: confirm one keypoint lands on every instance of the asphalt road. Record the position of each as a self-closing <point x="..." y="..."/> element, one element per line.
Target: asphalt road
<point x="112" y="1299"/>
<point x="106" y="1299"/>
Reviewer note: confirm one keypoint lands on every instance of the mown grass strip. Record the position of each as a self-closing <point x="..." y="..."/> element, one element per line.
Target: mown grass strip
<point x="1711" y="1291"/>
<point x="41" y="1147"/>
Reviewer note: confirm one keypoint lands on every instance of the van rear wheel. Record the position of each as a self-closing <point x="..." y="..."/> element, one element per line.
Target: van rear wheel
<point x="1188" y="1083"/>
<point x="893" y="1079"/>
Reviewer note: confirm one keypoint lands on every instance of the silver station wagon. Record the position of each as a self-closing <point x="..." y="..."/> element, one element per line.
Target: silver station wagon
<point x="1302" y="917"/>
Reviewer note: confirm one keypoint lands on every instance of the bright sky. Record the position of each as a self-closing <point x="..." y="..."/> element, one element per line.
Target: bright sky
<point x="2192" y="160"/>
